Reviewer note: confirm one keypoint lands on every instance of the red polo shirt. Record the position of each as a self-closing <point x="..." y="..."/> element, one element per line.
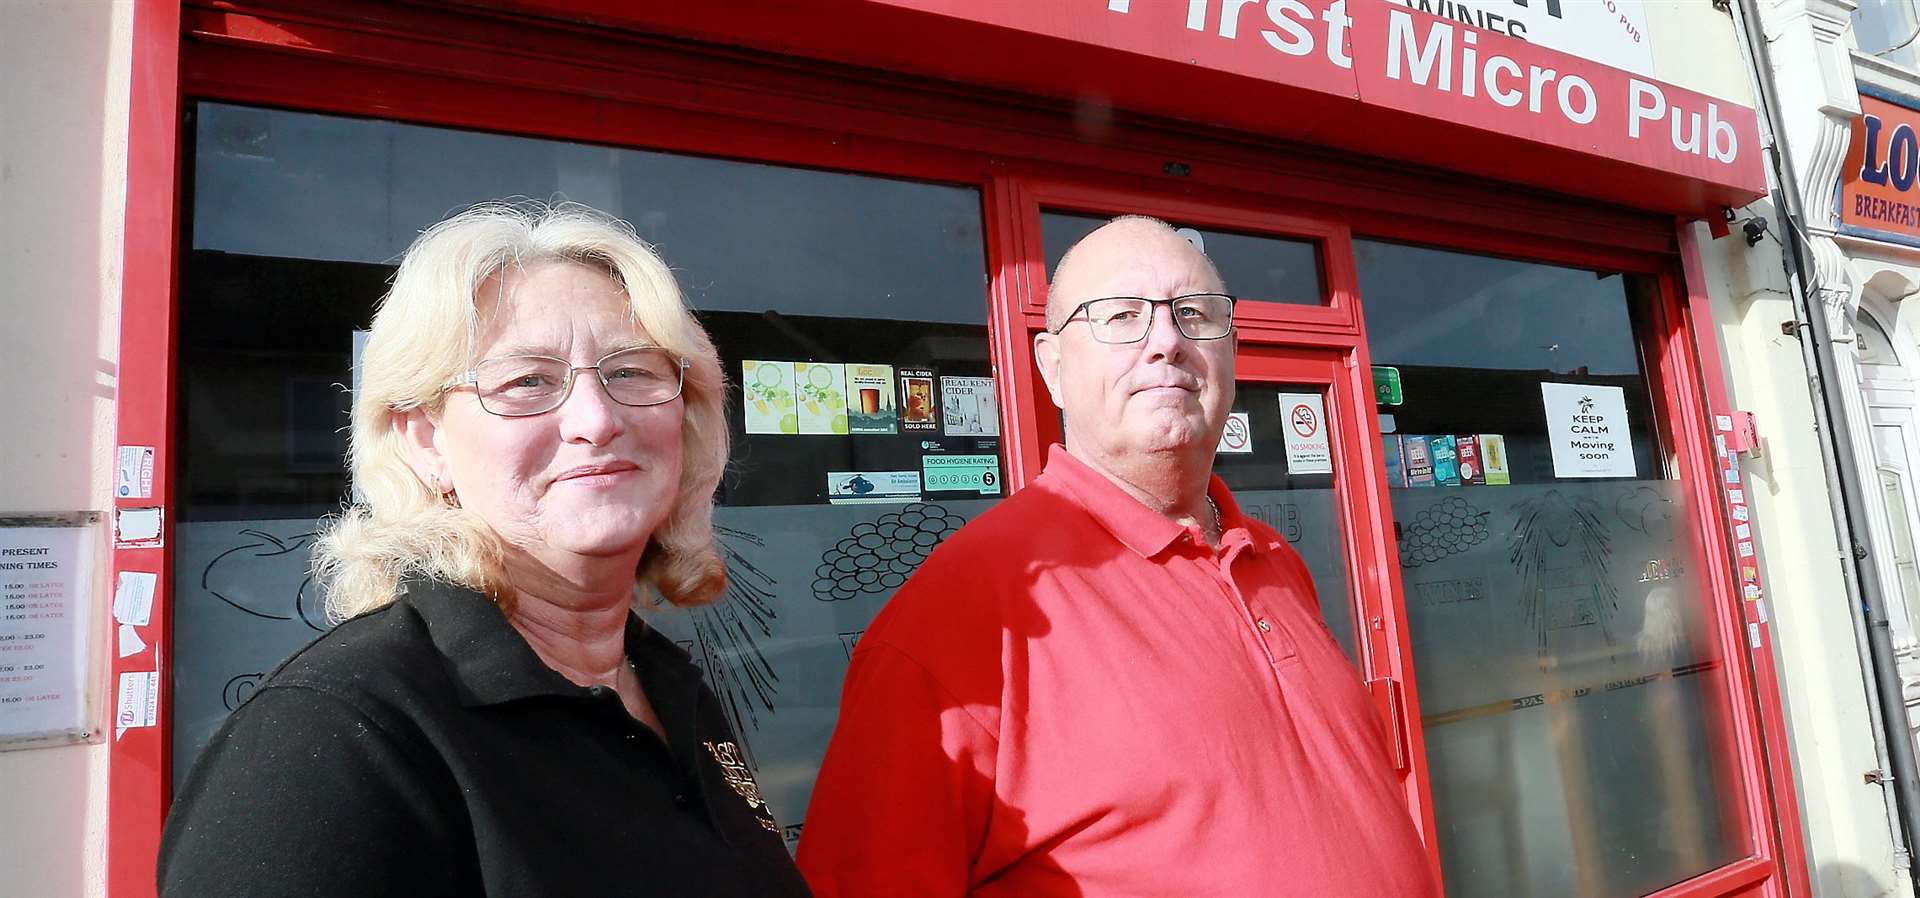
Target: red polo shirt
<point x="1076" y="696"/>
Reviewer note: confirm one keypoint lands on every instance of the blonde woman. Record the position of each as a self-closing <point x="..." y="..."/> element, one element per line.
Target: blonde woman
<point x="538" y="438"/>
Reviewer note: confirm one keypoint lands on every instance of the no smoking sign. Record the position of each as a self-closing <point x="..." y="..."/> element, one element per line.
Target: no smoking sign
<point x="1308" y="450"/>
<point x="1237" y="438"/>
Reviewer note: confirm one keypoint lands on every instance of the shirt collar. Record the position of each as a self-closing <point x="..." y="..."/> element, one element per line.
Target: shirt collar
<point x="1145" y="531"/>
<point x="489" y="661"/>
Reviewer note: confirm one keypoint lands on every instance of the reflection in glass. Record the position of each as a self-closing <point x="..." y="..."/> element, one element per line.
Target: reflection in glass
<point x="1254" y="267"/>
<point x="1887" y="28"/>
<point x="1573" y="694"/>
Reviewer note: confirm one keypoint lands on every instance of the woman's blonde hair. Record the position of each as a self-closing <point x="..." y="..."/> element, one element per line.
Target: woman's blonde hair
<point x="426" y="333"/>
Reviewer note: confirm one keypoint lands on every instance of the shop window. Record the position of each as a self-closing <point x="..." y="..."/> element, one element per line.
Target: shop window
<point x="1571" y="685"/>
<point x="1888" y="29"/>
<point x="851" y="309"/>
<point x="1254" y="266"/>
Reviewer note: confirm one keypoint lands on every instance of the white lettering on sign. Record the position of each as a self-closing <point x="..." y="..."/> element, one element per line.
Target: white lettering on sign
<point x="1445" y="54"/>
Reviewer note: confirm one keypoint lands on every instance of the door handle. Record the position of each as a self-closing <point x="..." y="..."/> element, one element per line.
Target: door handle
<point x="1391" y="706"/>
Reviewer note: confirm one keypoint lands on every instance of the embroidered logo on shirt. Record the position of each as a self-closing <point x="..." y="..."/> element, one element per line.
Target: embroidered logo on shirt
<point x="727" y="755"/>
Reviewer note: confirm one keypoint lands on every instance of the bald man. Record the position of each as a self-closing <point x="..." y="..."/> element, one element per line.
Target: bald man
<point x="1114" y="683"/>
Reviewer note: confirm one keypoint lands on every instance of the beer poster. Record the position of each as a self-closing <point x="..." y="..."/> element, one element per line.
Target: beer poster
<point x="919" y="409"/>
<point x="870" y="405"/>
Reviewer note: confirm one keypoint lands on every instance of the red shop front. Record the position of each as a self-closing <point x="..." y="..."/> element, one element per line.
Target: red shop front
<point x="1445" y="240"/>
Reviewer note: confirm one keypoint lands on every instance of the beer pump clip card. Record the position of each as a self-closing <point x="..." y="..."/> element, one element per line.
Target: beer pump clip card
<point x="870" y="405"/>
<point x="919" y="402"/>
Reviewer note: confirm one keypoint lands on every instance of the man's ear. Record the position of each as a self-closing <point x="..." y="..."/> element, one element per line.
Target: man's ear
<point x="1046" y="357"/>
<point x="418" y="432"/>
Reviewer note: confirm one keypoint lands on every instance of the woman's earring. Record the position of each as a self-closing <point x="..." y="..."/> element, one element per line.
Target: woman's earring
<point x="445" y="493"/>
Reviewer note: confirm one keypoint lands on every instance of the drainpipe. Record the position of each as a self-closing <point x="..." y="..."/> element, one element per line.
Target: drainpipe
<point x="1842" y="467"/>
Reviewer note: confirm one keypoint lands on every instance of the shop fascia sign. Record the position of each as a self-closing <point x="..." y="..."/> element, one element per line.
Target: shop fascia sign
<point x="1386" y="54"/>
<point x="1880" y="179"/>
<point x="1610" y="32"/>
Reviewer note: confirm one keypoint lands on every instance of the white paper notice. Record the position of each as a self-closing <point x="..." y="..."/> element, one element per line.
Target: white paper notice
<point x="1587" y="425"/>
<point x="1237" y="438"/>
<point x="133" y="597"/>
<point x="44" y="575"/>
<point x="133" y="476"/>
<point x="137" y="527"/>
<point x="1304" y="423"/>
<point x="130" y="641"/>
<point x="137" y="704"/>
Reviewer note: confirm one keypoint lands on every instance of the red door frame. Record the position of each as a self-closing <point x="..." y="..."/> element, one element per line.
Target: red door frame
<point x="443" y="67"/>
<point x="137" y="759"/>
<point x="1272" y="334"/>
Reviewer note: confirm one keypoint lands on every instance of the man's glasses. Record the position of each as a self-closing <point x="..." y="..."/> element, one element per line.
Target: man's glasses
<point x="521" y="385"/>
<point x="1126" y="319"/>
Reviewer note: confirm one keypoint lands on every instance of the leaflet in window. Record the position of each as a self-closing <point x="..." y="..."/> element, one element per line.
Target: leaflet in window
<point x="870" y="405"/>
<point x="767" y="397"/>
<point x="919" y="406"/>
<point x="820" y="397"/>
<point x="970" y="406"/>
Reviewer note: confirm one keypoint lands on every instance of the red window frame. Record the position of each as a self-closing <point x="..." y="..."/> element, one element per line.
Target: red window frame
<point x="453" y="67"/>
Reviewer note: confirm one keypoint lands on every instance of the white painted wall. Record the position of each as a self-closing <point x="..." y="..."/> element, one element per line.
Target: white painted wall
<point x="63" y="110"/>
<point x="1824" y="689"/>
<point x="1697" y="47"/>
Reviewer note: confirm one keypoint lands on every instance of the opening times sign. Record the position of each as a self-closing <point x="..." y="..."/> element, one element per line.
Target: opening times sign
<point x="45" y="573"/>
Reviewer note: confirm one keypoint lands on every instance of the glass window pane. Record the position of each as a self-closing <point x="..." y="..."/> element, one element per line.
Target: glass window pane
<point x="1255" y="267"/>
<point x="1876" y="348"/>
<point x="1572" y="692"/>
<point x="1886" y="28"/>
<point x="849" y="313"/>
<point x="1301" y="507"/>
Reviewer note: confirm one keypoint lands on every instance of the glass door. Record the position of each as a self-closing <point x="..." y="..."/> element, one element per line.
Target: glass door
<point x="1299" y="450"/>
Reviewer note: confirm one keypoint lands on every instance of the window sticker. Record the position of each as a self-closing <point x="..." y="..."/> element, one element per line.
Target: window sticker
<point x="820" y="395"/>
<point x="1396" y="462"/>
<point x="970" y="407"/>
<point x="870" y="405"/>
<point x="969" y="473"/>
<point x="133" y="476"/>
<point x="767" y="397"/>
<point x="1308" y="450"/>
<point x="1472" y="472"/>
<point x="1237" y="437"/>
<point x="855" y="487"/>
<point x="1493" y="457"/>
<point x="1419" y="453"/>
<point x="1446" y="460"/>
<point x="1587" y="427"/>
<point x="919" y="407"/>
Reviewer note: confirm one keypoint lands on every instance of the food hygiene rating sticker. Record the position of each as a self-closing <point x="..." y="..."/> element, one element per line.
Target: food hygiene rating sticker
<point x="972" y="473"/>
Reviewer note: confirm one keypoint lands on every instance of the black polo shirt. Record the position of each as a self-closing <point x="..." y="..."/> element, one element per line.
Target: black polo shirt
<point x="424" y="749"/>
